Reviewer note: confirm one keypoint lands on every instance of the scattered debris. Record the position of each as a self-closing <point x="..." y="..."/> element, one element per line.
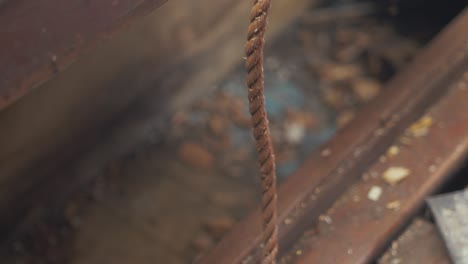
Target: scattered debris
<point x="333" y="98"/>
<point x="394" y="175"/>
<point x="421" y="127"/>
<point x="356" y="198"/>
<point x="394" y="205"/>
<point x="344" y="118"/>
<point x="196" y="155"/>
<point x="336" y="72"/>
<point x="405" y="140"/>
<point x="306" y="119"/>
<point x="374" y="193"/>
<point x="326" y="152"/>
<point x="365" y="89"/>
<point x="294" y="132"/>
<point x="325" y="218"/>
<point x="383" y="159"/>
<point x="393" y="151"/>
<point x="216" y="125"/>
<point x="432" y="168"/>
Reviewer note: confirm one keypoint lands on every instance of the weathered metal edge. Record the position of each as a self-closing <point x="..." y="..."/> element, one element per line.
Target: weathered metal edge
<point x="326" y="177"/>
<point x="358" y="231"/>
<point x="29" y="71"/>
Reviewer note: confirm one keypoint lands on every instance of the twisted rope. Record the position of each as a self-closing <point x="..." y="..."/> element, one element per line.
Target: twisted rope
<point x="261" y="130"/>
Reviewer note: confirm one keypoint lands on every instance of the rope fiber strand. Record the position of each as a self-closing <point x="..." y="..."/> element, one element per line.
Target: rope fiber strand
<point x="261" y="129"/>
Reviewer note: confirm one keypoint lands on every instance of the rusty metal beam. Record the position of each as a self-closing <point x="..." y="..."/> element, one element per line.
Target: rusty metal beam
<point x="360" y="228"/>
<point x="42" y="37"/>
<point x="312" y="189"/>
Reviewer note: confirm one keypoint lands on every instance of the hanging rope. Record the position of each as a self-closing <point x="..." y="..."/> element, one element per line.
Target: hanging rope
<point x="261" y="130"/>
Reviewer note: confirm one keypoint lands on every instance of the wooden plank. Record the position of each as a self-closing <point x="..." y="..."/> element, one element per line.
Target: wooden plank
<point x="359" y="227"/>
<point x="314" y="187"/>
<point x="420" y="243"/>
<point x="41" y="38"/>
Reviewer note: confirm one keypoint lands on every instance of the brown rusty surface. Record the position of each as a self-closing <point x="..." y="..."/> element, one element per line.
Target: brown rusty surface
<point x="359" y="227"/>
<point x="327" y="173"/>
<point x="42" y="37"/>
<point x="420" y="243"/>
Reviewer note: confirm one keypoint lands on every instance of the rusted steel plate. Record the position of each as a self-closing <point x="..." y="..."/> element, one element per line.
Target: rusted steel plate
<point x="420" y="243"/>
<point x="41" y="37"/>
<point x="328" y="172"/>
<point x="360" y="225"/>
<point x="451" y="213"/>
